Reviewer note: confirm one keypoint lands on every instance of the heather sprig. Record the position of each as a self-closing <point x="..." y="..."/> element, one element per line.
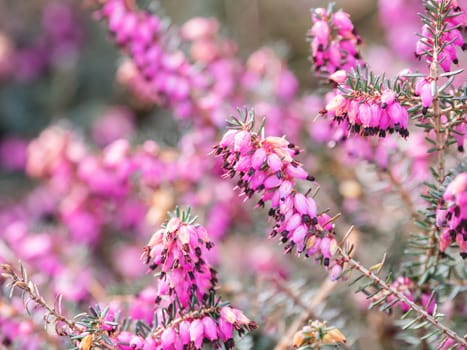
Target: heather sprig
<point x="369" y="104"/>
<point x="443" y="24"/>
<point x="177" y="251"/>
<point x="385" y="293"/>
<point x="266" y="166"/>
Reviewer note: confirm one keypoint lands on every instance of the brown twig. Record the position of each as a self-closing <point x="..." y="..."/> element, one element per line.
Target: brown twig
<point x="422" y="313"/>
<point x="29" y="288"/>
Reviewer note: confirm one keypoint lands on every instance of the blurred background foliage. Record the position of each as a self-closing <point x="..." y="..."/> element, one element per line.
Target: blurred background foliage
<point x="79" y="84"/>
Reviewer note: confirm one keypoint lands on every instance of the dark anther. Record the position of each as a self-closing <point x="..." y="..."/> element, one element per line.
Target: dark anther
<point x="198" y="251"/>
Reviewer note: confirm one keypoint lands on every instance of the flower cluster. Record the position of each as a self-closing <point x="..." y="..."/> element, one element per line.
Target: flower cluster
<point x="192" y="330"/>
<point x="185" y="298"/>
<point x="142" y="35"/>
<point x="177" y="252"/>
<point x="442" y="32"/>
<point x="378" y="113"/>
<point x="334" y="41"/>
<point x="195" y="329"/>
<point x="451" y="215"/>
<point x="267" y="166"/>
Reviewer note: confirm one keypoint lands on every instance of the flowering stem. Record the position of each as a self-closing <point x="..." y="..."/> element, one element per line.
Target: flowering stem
<point x="31" y="290"/>
<point x="440" y="147"/>
<point x="423" y="314"/>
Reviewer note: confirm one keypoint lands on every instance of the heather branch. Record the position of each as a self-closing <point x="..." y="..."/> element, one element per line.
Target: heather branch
<point x="423" y="314"/>
<point x="23" y="283"/>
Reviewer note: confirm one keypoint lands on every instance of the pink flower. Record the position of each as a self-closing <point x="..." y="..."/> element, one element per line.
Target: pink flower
<point x="210" y="328"/>
<point x="168" y="338"/>
<point x="197" y="333"/>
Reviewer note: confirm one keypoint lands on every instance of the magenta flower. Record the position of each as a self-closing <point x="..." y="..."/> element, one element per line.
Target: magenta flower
<point x="451" y="215"/>
<point x="424" y="90"/>
<point x="333" y="41"/>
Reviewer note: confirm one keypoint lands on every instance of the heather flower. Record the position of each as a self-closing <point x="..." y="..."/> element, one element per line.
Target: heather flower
<point x="460" y="134"/>
<point x="333" y="41"/>
<point x="449" y="344"/>
<point x="451" y="215"/>
<point x="424" y="90"/>
<point x="177" y="251"/>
